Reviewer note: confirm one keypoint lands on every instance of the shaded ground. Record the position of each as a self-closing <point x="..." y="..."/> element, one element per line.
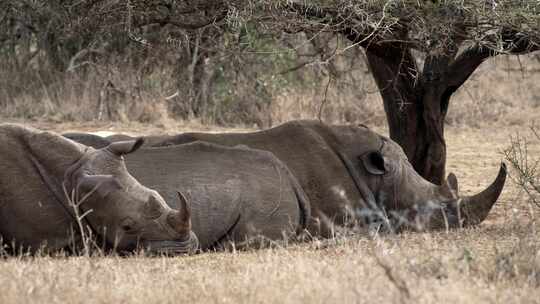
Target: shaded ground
<point x="498" y="262"/>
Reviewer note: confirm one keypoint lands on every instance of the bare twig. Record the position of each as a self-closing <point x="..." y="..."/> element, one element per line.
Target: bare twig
<point x="75" y="203"/>
<point x="528" y="176"/>
<point x="323" y="103"/>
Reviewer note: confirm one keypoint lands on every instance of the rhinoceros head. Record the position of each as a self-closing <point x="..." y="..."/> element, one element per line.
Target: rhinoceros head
<point x="125" y="212"/>
<point x="392" y="184"/>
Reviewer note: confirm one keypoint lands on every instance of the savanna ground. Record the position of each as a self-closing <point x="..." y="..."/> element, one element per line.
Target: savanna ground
<point x="498" y="262"/>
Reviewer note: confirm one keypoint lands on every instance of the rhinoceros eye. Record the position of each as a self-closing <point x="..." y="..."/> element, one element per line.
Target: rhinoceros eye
<point x="129" y="225"/>
<point x="374" y="162"/>
<point x="152" y="208"/>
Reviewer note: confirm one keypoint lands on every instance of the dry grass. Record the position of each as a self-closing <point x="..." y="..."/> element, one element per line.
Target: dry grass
<point x="491" y="264"/>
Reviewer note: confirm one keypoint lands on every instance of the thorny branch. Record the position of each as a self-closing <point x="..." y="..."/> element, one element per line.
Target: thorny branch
<point x="527" y="167"/>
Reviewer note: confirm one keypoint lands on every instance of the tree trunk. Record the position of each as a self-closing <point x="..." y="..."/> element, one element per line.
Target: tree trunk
<point x="194" y="76"/>
<point x="415" y="106"/>
<point x="202" y="84"/>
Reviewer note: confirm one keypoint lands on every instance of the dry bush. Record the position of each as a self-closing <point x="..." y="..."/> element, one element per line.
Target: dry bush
<point x="526" y="165"/>
<point x="499" y="92"/>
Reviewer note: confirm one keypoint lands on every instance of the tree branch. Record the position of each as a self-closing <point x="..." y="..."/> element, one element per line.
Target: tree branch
<point x="311" y="11"/>
<point x="187" y="26"/>
<point x="334" y="18"/>
<point x="468" y="61"/>
<point x="194" y="26"/>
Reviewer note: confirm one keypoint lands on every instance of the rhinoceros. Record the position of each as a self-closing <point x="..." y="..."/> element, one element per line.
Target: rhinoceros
<point x="43" y="175"/>
<point x="238" y="194"/>
<point x="351" y="170"/>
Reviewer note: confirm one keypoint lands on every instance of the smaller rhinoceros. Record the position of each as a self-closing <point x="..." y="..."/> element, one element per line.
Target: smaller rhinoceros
<point x="42" y="176"/>
<point x="238" y="194"/>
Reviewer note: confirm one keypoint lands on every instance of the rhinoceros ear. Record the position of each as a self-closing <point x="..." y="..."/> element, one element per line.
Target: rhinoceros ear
<point x="100" y="184"/>
<point x="374" y="162"/>
<point x="125" y="147"/>
<point x="450" y="186"/>
<point x="452" y="182"/>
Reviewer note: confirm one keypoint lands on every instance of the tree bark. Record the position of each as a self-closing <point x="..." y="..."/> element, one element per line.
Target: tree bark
<point x="194" y="77"/>
<point x="415" y="104"/>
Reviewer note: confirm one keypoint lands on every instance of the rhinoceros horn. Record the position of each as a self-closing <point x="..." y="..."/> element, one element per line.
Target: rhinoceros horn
<point x="474" y="209"/>
<point x="180" y="220"/>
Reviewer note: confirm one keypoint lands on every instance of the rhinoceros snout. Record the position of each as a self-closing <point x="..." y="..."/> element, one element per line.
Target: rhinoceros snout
<point x="190" y="245"/>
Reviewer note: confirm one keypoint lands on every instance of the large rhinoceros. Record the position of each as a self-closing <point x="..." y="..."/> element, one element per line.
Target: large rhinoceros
<point x="42" y="176"/>
<point x="237" y="194"/>
<point x="348" y="170"/>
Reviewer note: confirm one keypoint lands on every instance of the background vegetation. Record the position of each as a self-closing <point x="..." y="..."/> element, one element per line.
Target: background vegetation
<point x="151" y="61"/>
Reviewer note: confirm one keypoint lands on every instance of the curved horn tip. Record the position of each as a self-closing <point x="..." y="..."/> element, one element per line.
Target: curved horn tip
<point x="182" y="199"/>
<point x="185" y="208"/>
<point x="477" y="207"/>
<point x="180" y="219"/>
<point x="503" y="171"/>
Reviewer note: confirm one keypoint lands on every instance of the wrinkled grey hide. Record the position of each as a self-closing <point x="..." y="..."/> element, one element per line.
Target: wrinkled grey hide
<point x="36" y="167"/>
<point x="236" y="193"/>
<point x="351" y="171"/>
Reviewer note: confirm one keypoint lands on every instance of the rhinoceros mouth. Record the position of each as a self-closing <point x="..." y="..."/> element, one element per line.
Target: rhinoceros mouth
<point x="172" y="247"/>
